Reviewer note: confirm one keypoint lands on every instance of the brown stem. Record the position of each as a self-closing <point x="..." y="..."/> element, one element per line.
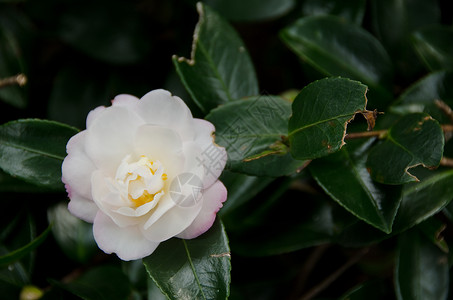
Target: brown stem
<point x="365" y="134"/>
<point x="334" y="276"/>
<point x="445" y="108"/>
<point x="308" y="267"/>
<point x="447" y="127"/>
<point x="446" y="162"/>
<point x="19" y="79"/>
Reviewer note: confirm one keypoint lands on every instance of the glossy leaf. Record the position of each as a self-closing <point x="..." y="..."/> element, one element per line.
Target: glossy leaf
<point x="252" y="10"/>
<point x="320" y="116"/>
<point x="433" y="229"/>
<point x="395" y="32"/>
<point x="220" y="69"/>
<point x="345" y="178"/>
<point x="316" y="40"/>
<point x="423" y="199"/>
<point x="105" y="282"/>
<point x="193" y="269"/>
<point x="422" y="96"/>
<point x="15" y="255"/>
<point x="241" y="188"/>
<point x="350" y="10"/>
<point x="114" y="35"/>
<point x="435" y="47"/>
<point x="421" y="269"/>
<point x="34" y="150"/>
<point x="73" y="235"/>
<point x="370" y="290"/>
<point x="416" y="139"/>
<point x="251" y="130"/>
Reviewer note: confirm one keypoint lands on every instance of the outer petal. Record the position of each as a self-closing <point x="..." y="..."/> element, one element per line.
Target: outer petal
<point x="92" y="115"/>
<point x="213" y="198"/>
<point x="110" y="137"/>
<point x="212" y="156"/>
<point x="82" y="208"/>
<point x="159" y="107"/>
<point x="125" y="100"/>
<point x="128" y="243"/>
<point x="171" y="223"/>
<point x="77" y="167"/>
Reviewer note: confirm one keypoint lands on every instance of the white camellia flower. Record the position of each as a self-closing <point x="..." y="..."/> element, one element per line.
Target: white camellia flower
<point x="144" y="171"/>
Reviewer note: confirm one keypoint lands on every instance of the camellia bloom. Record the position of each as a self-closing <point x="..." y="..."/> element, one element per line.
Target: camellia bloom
<point x="144" y="171"/>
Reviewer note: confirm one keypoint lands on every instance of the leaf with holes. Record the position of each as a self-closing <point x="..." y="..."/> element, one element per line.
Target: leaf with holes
<point x="321" y="113"/>
<point x="33" y="150"/>
<point x="220" y="69"/>
<point x="416" y="139"/>
<point x="193" y="269"/>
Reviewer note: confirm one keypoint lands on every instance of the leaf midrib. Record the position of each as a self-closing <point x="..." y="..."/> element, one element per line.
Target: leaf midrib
<point x="189" y="257"/>
<point x="319" y="122"/>
<point x="35" y="151"/>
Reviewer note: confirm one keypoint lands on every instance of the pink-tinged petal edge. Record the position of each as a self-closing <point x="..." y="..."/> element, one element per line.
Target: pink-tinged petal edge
<point x="127" y="243"/>
<point x="213" y="197"/>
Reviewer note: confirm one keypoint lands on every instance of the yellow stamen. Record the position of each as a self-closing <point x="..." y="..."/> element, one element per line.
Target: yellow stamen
<point x="143" y="199"/>
<point x="164" y="176"/>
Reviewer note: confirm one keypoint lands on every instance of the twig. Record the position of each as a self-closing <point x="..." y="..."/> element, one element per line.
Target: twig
<point x="447" y="127"/>
<point x="334" y="276"/>
<point x="365" y="134"/>
<point x="445" y="108"/>
<point x="446" y="162"/>
<point x="311" y="261"/>
<point x="19" y="79"/>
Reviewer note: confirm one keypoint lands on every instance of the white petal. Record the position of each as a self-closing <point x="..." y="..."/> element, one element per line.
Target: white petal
<point x="171" y="223"/>
<point x="212" y="157"/>
<point x="77" y="167"/>
<point x="162" y="144"/>
<point x="213" y="198"/>
<point x="110" y="137"/>
<point x="159" y="107"/>
<point x="82" y="208"/>
<point x="125" y="100"/>
<point x="109" y="201"/>
<point x="128" y="243"/>
<point x="92" y="115"/>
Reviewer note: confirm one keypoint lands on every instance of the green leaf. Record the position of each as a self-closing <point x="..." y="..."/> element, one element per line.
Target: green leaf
<point x="435" y="47"/>
<point x="220" y="69"/>
<point x="422" y="96"/>
<point x="320" y="116"/>
<point x="370" y="290"/>
<point x="105" y="282"/>
<point x="193" y="269"/>
<point x="395" y="32"/>
<point x="251" y="10"/>
<point x="344" y="177"/>
<point x="17" y="254"/>
<point x="432" y="229"/>
<point x="10" y="184"/>
<point x="241" y="188"/>
<point x="114" y="35"/>
<point x="421" y="269"/>
<point x="74" y="236"/>
<point x="350" y="10"/>
<point x="415" y="139"/>
<point x="316" y="40"/>
<point x="422" y="200"/>
<point x="34" y="150"/>
<point x="251" y="130"/>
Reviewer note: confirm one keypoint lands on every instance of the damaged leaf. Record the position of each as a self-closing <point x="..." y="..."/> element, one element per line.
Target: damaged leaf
<point x="321" y="113"/>
<point x="416" y="139"/>
<point x="253" y="133"/>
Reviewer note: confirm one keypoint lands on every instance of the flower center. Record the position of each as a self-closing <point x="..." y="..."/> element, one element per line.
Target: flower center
<point x="142" y="181"/>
